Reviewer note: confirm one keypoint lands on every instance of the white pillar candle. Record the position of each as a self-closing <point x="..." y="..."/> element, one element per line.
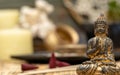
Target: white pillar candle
<point x="15" y="42"/>
<point x="8" y="18"/>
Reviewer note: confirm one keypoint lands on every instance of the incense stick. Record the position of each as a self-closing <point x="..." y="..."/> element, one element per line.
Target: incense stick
<point x="56" y="70"/>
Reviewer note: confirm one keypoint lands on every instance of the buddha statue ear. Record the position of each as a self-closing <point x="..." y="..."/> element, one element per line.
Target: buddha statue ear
<point x="106" y="30"/>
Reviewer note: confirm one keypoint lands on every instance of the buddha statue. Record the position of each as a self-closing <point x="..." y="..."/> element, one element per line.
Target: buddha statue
<point x="99" y="51"/>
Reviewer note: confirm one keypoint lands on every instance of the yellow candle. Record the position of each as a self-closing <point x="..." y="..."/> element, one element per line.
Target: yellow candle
<point x="15" y="42"/>
<point x="8" y="18"/>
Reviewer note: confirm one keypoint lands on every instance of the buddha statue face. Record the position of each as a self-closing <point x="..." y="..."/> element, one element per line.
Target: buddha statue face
<point x="101" y="29"/>
<point x="101" y="26"/>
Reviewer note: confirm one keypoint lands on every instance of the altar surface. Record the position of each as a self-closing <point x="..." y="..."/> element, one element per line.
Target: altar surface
<point x="11" y="68"/>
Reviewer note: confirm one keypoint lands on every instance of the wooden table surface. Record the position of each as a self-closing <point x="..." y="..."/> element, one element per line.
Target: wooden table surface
<point x="9" y="68"/>
<point x="14" y="68"/>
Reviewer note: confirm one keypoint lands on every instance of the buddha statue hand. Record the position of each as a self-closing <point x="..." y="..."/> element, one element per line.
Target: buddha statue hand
<point x="93" y="51"/>
<point x="97" y="45"/>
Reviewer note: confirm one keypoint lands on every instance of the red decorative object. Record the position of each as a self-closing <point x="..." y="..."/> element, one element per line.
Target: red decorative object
<point x="62" y="64"/>
<point x="26" y="67"/>
<point x="53" y="63"/>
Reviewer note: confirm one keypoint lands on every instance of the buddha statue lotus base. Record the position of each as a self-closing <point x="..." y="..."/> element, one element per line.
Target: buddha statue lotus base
<point x="100" y="52"/>
<point x="98" y="69"/>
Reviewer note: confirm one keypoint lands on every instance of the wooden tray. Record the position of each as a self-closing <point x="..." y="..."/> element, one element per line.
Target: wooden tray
<point x="43" y="57"/>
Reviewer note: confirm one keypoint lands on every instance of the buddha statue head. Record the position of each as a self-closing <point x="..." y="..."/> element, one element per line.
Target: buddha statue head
<point x="101" y="27"/>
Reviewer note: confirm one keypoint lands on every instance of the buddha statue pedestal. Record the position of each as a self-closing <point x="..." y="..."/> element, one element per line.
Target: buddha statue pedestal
<point x="98" y="69"/>
<point x="100" y="52"/>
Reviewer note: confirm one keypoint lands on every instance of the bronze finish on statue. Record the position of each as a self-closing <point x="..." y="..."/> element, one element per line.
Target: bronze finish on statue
<point x="100" y="52"/>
